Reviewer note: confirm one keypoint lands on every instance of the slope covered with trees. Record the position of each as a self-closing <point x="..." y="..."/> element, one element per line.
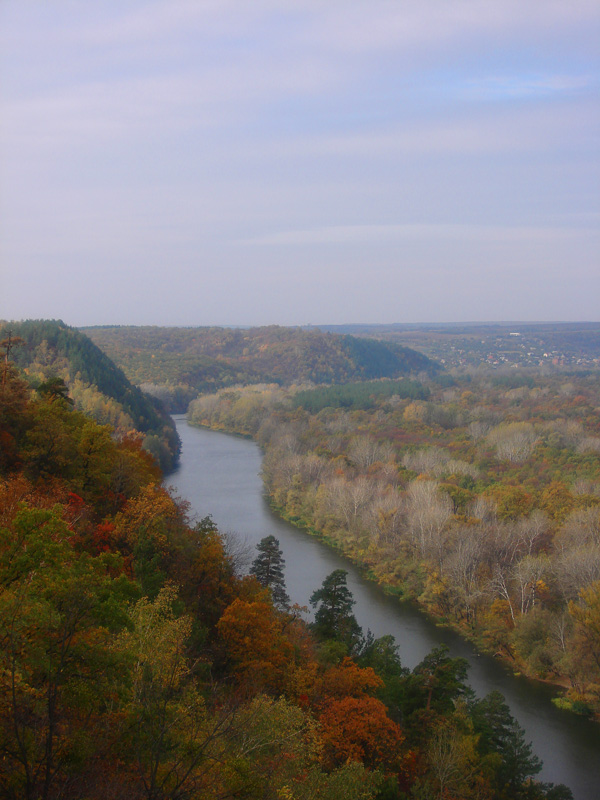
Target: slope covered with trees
<point x="49" y="349"/>
<point x="137" y="663"/>
<point x="479" y="500"/>
<point x="178" y="363"/>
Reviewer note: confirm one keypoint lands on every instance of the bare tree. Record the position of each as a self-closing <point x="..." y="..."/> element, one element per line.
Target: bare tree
<point x="426" y="460"/>
<point x="530" y="531"/>
<point x="500" y="586"/>
<point x="428" y="513"/>
<point x="526" y="575"/>
<point x="483" y="508"/>
<point x="239" y="551"/>
<point x="364" y="451"/>
<point x="349" y="499"/>
<point x="384" y="518"/>
<point x="589" y="444"/>
<point x="456" y="467"/>
<point x="465" y="569"/>
<point x="576" y="569"/>
<point x="511" y="541"/>
<point x="478" y="429"/>
<point x="513" y="441"/>
<point x="582" y="526"/>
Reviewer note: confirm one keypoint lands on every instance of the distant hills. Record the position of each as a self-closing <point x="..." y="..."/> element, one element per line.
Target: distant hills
<point x="50" y="349"/>
<point x="495" y="345"/>
<point x="176" y="364"/>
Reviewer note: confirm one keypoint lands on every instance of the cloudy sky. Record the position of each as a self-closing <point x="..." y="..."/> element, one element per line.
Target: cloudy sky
<point x="251" y="162"/>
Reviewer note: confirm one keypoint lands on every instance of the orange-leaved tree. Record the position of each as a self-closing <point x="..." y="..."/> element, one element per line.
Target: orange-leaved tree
<point x="359" y="729"/>
<point x="256" y="645"/>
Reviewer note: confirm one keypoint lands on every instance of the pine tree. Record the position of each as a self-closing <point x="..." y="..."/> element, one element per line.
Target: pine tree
<point x="268" y="567"/>
<point x="500" y="733"/>
<point x="334" y="619"/>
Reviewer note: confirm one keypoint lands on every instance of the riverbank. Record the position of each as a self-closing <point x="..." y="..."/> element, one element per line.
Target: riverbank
<point x="299" y="500"/>
<point x="219" y="475"/>
<point x="402" y="594"/>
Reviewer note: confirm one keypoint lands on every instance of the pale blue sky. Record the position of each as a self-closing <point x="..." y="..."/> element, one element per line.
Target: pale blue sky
<point x="258" y="161"/>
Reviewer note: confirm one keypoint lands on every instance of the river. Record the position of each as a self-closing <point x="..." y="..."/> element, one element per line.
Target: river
<point x="219" y="475"/>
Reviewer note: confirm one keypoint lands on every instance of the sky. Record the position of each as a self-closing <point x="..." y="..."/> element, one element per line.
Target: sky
<point x="254" y="162"/>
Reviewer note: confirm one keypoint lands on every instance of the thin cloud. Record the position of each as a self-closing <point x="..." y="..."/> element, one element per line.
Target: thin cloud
<point x="386" y="234"/>
<point x="266" y="142"/>
<point x="529" y="86"/>
<point x="432" y="24"/>
<point x="533" y="129"/>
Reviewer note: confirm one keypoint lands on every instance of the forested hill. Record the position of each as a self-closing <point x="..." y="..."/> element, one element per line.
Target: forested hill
<point x="184" y="361"/>
<point x="139" y="662"/>
<point x="49" y="349"/>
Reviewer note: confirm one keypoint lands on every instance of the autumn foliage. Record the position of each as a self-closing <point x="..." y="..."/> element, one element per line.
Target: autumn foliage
<point x="476" y="496"/>
<point x="138" y="664"/>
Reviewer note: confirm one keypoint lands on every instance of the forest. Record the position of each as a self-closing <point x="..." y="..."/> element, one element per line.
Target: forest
<point x="46" y="350"/>
<point x="138" y="661"/>
<point x="176" y="364"/>
<point x="476" y="497"/>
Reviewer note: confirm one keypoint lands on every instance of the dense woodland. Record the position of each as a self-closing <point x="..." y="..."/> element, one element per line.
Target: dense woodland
<point x="479" y="500"/>
<point x="137" y="662"/>
<point x="176" y="364"/>
<point x="46" y="350"/>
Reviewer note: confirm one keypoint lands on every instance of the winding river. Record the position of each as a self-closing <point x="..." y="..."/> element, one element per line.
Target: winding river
<point x="220" y="475"/>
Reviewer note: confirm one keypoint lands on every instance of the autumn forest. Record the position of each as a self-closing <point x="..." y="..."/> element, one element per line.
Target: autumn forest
<point x="140" y="659"/>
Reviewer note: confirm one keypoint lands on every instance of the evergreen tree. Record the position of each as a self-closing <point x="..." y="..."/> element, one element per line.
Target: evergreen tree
<point x="499" y="732"/>
<point x="55" y="389"/>
<point x="268" y="567"/>
<point x="15" y="416"/>
<point x="334" y="619"/>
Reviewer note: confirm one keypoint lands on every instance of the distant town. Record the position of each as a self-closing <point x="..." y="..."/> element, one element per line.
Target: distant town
<point x="497" y="345"/>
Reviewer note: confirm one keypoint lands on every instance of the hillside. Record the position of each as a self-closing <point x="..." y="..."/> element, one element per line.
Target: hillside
<point x="138" y="663"/>
<point x="47" y="349"/>
<point x="178" y="363"/>
<point x="555" y="346"/>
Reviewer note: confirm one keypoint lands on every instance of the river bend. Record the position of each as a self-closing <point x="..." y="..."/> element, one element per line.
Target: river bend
<point x="219" y="475"/>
